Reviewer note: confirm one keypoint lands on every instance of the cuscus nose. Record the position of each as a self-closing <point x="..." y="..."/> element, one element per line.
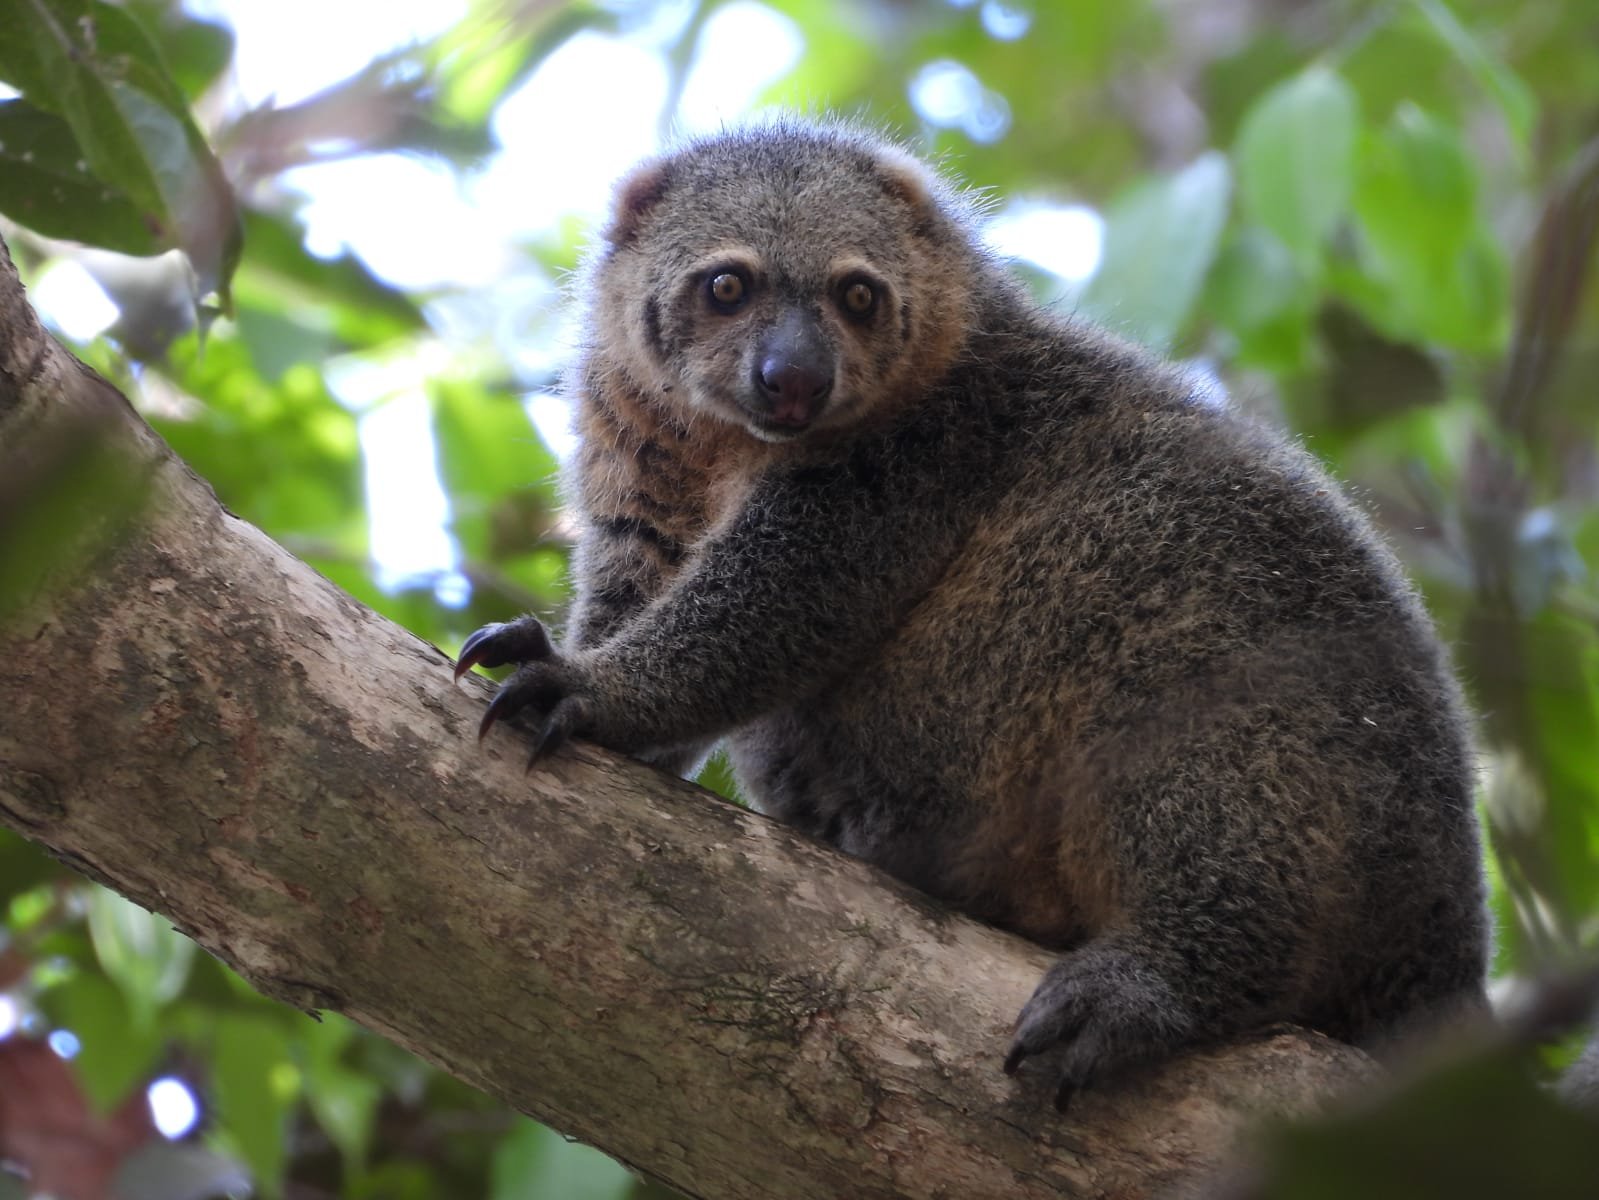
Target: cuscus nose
<point x="795" y="390"/>
<point x="794" y="372"/>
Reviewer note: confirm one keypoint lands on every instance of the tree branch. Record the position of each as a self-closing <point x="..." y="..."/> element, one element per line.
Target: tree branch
<point x="198" y="720"/>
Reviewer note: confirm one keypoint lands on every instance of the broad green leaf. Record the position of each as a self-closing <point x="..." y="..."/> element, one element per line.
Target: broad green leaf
<point x="1431" y="270"/>
<point x="1416" y="187"/>
<point x="1475" y="1126"/>
<point x="49" y="56"/>
<point x="1563" y="707"/>
<point x="23" y="866"/>
<point x="1259" y="296"/>
<point x="1585" y="537"/>
<point x="344" y="1100"/>
<point x="1402" y="61"/>
<point x="498" y="473"/>
<point x="533" y="1162"/>
<point x="1254" y="281"/>
<point x="197" y="51"/>
<point x="193" y="189"/>
<point x="1418" y="450"/>
<point x="45" y="184"/>
<point x="1296" y="158"/>
<point x="402" y="1180"/>
<point x="1160" y="240"/>
<point x="282" y="454"/>
<point x="340" y="295"/>
<point x="281" y="340"/>
<point x="91" y="64"/>
<point x="1536" y="677"/>
<point x="479" y="64"/>
<point x="115" y="1052"/>
<point x="27" y="908"/>
<point x="254" y="1085"/>
<point x="140" y="951"/>
<point x="1497" y="79"/>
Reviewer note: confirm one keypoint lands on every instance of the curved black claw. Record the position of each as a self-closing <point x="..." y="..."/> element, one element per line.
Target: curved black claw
<point x="522" y="640"/>
<point x="563" y="721"/>
<point x="475" y="650"/>
<point x="507" y="702"/>
<point x="1014" y="1059"/>
<point x="1064" y="1094"/>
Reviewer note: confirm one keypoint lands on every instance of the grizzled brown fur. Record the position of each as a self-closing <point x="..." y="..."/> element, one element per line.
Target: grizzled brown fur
<point x="999" y="603"/>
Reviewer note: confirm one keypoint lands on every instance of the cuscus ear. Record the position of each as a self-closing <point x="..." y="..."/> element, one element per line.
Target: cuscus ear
<point x="639" y="191"/>
<point x="910" y="181"/>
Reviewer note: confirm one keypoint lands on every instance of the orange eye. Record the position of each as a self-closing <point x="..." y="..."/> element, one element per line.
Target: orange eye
<point x="727" y="289"/>
<point x="859" y="298"/>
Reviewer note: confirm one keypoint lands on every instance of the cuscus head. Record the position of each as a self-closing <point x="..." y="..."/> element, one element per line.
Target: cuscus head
<point x="785" y="277"/>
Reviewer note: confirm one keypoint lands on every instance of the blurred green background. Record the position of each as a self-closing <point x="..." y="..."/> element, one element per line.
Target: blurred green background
<point x="322" y="248"/>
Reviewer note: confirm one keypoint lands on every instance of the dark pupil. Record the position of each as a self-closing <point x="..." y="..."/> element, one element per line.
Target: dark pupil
<point x="726" y="287"/>
<point x="859" y="296"/>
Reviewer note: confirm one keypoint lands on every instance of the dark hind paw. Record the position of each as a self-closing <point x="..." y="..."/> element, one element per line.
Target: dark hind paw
<point x="1110" y="1011"/>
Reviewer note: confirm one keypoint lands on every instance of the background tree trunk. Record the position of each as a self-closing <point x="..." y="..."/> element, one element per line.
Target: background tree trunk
<point x="198" y="720"/>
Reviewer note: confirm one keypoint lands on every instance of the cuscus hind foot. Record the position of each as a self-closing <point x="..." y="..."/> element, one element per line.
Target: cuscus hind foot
<point x="1110" y="1012"/>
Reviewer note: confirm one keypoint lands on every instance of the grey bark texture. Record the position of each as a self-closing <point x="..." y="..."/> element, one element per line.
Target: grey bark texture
<point x="201" y="722"/>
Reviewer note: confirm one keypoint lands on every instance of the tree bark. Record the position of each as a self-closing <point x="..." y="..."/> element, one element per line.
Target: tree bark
<point x="199" y="721"/>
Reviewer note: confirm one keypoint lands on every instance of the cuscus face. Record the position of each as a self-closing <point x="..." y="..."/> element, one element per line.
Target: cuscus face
<point x="785" y="279"/>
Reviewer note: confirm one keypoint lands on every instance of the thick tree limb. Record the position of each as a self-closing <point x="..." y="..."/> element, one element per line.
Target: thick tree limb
<point x="201" y="722"/>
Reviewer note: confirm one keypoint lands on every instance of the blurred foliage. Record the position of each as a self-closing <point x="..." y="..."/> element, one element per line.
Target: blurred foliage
<point x="1373" y="222"/>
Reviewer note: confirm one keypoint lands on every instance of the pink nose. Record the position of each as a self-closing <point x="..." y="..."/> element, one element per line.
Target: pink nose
<point x="794" y="390"/>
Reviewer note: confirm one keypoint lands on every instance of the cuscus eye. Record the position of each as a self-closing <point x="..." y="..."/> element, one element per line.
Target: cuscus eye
<point x="727" y="290"/>
<point x="858" y="298"/>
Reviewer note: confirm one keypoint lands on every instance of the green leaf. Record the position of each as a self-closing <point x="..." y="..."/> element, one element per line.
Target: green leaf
<point x="197" y="51"/>
<point x="343" y="1100"/>
<point x="1563" y="673"/>
<point x="140" y="951"/>
<point x="1477" y="1127"/>
<point x="1416" y="186"/>
<point x="254" y="1086"/>
<point x="1514" y="99"/>
<point x="1258" y="295"/>
<point x="478" y="65"/>
<point x="23" y="866"/>
<point x="1432" y="271"/>
<point x="1255" y="281"/>
<point x="402" y="1180"/>
<point x="1160" y="240"/>
<point x="50" y="57"/>
<point x="533" y="1162"/>
<point x="115" y="1052"/>
<point x="45" y="184"/>
<point x="339" y="294"/>
<point x="498" y="473"/>
<point x="92" y="65"/>
<point x="285" y="456"/>
<point x="1296" y="159"/>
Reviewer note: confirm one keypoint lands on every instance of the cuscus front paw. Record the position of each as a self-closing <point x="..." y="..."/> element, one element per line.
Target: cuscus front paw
<point x="1110" y="1011"/>
<point x="521" y="640"/>
<point x="547" y="684"/>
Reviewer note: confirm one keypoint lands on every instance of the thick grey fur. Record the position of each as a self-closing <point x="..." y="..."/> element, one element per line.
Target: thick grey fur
<point x="1022" y="617"/>
<point x="1580" y="1084"/>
